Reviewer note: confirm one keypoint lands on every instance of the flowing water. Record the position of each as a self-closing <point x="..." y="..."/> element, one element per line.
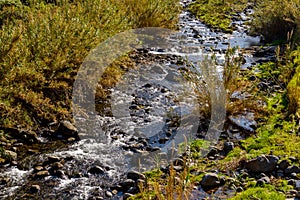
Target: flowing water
<point x="151" y="108"/>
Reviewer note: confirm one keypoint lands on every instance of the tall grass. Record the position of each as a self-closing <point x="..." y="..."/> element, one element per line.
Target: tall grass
<point x="43" y="43"/>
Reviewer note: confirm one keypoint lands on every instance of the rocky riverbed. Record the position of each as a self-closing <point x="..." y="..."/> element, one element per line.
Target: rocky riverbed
<point x="62" y="163"/>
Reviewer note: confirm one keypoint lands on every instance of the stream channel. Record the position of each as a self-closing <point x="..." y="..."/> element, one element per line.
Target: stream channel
<point x="161" y="109"/>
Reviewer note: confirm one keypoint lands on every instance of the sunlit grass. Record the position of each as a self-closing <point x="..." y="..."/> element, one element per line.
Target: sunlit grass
<point x="42" y="45"/>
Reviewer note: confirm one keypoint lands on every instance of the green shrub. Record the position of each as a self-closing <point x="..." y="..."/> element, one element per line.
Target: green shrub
<point x="259" y="193"/>
<point x="274" y="19"/>
<point x="294" y="86"/>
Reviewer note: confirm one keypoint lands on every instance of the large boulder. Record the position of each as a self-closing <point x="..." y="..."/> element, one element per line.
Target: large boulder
<point x="262" y="164"/>
<point x="210" y="180"/>
<point x="66" y="130"/>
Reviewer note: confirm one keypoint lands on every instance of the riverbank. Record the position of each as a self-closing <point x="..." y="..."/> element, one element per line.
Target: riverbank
<point x="43" y="44"/>
<point x="263" y="163"/>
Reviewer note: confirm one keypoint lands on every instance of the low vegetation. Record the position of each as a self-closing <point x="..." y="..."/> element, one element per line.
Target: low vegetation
<point x="218" y="13"/>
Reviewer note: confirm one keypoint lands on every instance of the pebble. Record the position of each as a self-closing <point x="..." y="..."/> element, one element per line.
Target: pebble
<point x="283" y="164"/>
<point x="228" y="146"/>
<point x="38" y="168"/>
<point x="114" y="192"/>
<point x="57" y="165"/>
<point x="128" y="184"/>
<point x="53" y="159"/>
<point x="108" y="194"/>
<point x="35" y="188"/>
<point x="134" y="175"/>
<point x="210" y="180"/>
<point x="42" y="173"/>
<point x="4" y="181"/>
<point x="292" y="169"/>
<point x="239" y="189"/>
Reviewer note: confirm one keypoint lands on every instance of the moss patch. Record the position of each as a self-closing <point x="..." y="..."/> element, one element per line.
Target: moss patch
<point x="217" y="13"/>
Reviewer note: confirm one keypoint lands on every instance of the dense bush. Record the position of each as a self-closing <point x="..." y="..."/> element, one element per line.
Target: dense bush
<point x="274" y="19"/>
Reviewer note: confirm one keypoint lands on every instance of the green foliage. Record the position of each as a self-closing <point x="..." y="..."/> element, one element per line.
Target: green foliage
<point x="294" y="86"/>
<point x="7" y="3"/>
<point x="265" y="193"/>
<point x="275" y="18"/>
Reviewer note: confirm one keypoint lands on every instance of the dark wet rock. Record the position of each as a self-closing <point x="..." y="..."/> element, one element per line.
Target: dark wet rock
<point x="279" y="173"/>
<point x="293" y="159"/>
<point x="265" y="51"/>
<point x="239" y="189"/>
<point x="128" y="183"/>
<point x="22" y="136"/>
<point x="152" y="149"/>
<point x="133" y="190"/>
<point x="178" y="162"/>
<point x="53" y="159"/>
<point x="210" y="180"/>
<point x="134" y="175"/>
<point x="213" y="152"/>
<point x="43" y="173"/>
<point x="252" y="78"/>
<point x="4" y="181"/>
<point x="96" y="170"/>
<point x="57" y="165"/>
<point x="228" y="146"/>
<point x="61" y="174"/>
<point x="293" y="192"/>
<point x="127" y="196"/>
<point x="35" y="188"/>
<point x="66" y="130"/>
<point x="284" y="164"/>
<point x="163" y="140"/>
<point x="262" y="164"/>
<point x="292" y="169"/>
<point x="263" y="180"/>
<point x="291" y="182"/>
